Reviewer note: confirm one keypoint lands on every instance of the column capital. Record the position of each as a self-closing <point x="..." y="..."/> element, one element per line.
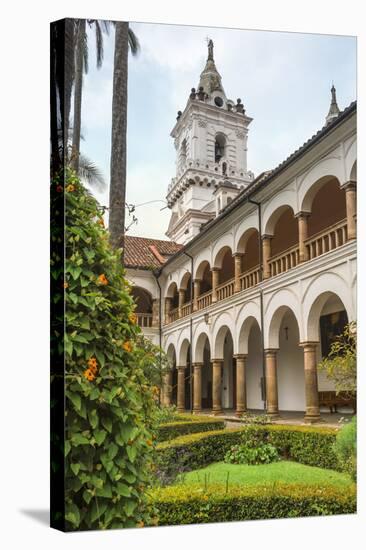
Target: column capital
<point x="181" y="367"/>
<point x="271" y="351"/>
<point x="238" y="254"/>
<point x="302" y="214"/>
<point x="350" y="184"/>
<point x="240" y="356"/>
<point x="309" y="344"/>
<point x="266" y="236"/>
<point x="215" y="268"/>
<point x="217" y="361"/>
<point x="197" y="280"/>
<point x="197" y="365"/>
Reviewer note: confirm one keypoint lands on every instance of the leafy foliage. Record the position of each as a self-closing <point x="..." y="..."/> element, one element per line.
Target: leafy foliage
<point x="248" y="418"/>
<point x="265" y="453"/>
<point x="186" y="504"/>
<point x="307" y="445"/>
<point x="198" y="424"/>
<point x="109" y="402"/>
<point x="341" y="364"/>
<point x="345" y="448"/>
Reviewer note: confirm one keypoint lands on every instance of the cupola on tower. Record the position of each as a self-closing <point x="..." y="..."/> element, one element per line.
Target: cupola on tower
<point x="210" y="138"/>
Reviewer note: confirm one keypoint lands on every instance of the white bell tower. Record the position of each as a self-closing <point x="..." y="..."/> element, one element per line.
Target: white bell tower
<point x="210" y="138"/>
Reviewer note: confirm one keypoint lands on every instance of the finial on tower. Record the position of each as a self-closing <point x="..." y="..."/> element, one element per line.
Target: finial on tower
<point x="210" y="46"/>
<point x="334" y="109"/>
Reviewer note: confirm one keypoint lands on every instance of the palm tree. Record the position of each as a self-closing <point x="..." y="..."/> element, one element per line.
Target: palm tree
<point x="81" y="66"/>
<point x="125" y="39"/>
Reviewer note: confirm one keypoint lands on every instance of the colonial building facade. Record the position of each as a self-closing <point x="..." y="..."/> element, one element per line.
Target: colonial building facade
<point x="260" y="273"/>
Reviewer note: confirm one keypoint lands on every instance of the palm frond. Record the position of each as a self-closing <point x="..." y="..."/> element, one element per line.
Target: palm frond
<point x="99" y="44"/>
<point x="133" y="42"/>
<point x="91" y="174"/>
<point x="86" y="54"/>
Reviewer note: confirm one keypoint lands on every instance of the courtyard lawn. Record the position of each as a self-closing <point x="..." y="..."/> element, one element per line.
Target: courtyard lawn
<point x="281" y="472"/>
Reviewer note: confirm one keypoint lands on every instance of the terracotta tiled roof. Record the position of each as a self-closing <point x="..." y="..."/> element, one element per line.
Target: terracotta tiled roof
<point x="148" y="253"/>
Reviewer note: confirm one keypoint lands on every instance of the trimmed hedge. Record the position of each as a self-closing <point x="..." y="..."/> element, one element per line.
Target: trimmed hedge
<point x="199" y="424"/>
<point x="181" y="505"/>
<point x="307" y="445"/>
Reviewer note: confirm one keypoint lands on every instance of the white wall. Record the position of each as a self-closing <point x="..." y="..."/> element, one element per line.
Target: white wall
<point x="254" y="370"/>
<point x="290" y="367"/>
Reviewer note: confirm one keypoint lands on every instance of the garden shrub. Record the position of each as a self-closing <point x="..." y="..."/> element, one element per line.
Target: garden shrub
<point x="166" y="414"/>
<point x="307" y="445"/>
<point x="172" y="430"/>
<point x="109" y="404"/>
<point x="182" y="505"/>
<point x="345" y="448"/>
<point x="265" y="453"/>
<point x="248" y="418"/>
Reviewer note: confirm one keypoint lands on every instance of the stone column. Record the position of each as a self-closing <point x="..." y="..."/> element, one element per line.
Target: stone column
<point x="167" y="309"/>
<point x="216" y="386"/>
<point x="271" y="382"/>
<point x="241" y="389"/>
<point x="197" y="387"/>
<point x="312" y="413"/>
<point x="182" y="295"/>
<point x="351" y="208"/>
<point x="168" y="388"/>
<point x="155" y="313"/>
<point x="215" y="282"/>
<point x="181" y="395"/>
<point x="266" y="254"/>
<point x="237" y="270"/>
<point x="196" y="293"/>
<point x="302" y="220"/>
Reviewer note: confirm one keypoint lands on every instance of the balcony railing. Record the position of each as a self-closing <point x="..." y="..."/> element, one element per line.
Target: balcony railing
<point x="330" y="238"/>
<point x="225" y="290"/>
<point x="204" y="300"/>
<point x="173" y="315"/>
<point x="186" y="309"/>
<point x="144" y="320"/>
<point x="284" y="261"/>
<point x="250" y="278"/>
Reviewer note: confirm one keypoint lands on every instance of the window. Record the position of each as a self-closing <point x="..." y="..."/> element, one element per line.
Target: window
<point x="219" y="147"/>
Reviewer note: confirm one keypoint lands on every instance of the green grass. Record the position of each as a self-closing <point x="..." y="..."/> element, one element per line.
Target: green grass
<point x="281" y="472"/>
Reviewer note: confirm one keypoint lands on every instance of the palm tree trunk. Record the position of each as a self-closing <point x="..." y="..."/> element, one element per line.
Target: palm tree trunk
<point x="117" y="191"/>
<point x="69" y="69"/>
<point x="79" y="68"/>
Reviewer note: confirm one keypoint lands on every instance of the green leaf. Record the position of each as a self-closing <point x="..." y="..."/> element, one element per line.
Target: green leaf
<point x="112" y="450"/>
<point x="72" y="514"/>
<point x="129" y="507"/>
<point x="67" y="447"/>
<point x="97" y="510"/>
<point x="131" y="452"/>
<point x="100" y="357"/>
<point x="123" y="489"/>
<point x="75" y="399"/>
<point x="87" y="495"/>
<point x="75" y="468"/>
<point x="107" y="423"/>
<point x="93" y="418"/>
<point x="100" y="436"/>
<point x="78" y="439"/>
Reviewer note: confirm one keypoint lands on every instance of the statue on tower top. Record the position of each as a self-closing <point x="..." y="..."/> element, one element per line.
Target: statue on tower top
<point x="210" y="48"/>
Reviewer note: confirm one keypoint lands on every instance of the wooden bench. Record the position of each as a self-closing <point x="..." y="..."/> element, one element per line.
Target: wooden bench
<point x="332" y="400"/>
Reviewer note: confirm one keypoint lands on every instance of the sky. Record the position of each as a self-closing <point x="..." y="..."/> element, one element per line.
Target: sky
<point x="283" y="79"/>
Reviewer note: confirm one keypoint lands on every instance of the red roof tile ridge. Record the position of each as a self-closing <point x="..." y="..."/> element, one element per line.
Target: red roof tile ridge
<point x="156" y="253"/>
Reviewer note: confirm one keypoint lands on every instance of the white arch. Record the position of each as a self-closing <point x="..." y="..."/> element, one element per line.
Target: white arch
<point x="199" y="260"/>
<point x="171" y="289"/>
<point x="183" y="347"/>
<point x="225" y="240"/>
<point x="351" y="158"/>
<point x="219" y="257"/>
<point x="274" y="208"/>
<point x="250" y="222"/>
<point x="222" y="323"/>
<point x="199" y="346"/>
<point x="171" y="352"/>
<point x="315" y="296"/>
<point x="331" y="167"/>
<point x="247" y="317"/>
<point x="184" y="280"/>
<point x="278" y="304"/>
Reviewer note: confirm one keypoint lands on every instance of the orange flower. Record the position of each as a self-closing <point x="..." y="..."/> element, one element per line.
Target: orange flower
<point x="66" y="285"/>
<point x="149" y="442"/>
<point x="133" y="318"/>
<point x="70" y="188"/>
<point x="89" y="375"/>
<point x="94" y="369"/>
<point x="92" y="362"/>
<point x="127" y="346"/>
<point x="59" y="189"/>
<point x="140" y="524"/>
<point x="103" y="279"/>
<point x="101" y="222"/>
